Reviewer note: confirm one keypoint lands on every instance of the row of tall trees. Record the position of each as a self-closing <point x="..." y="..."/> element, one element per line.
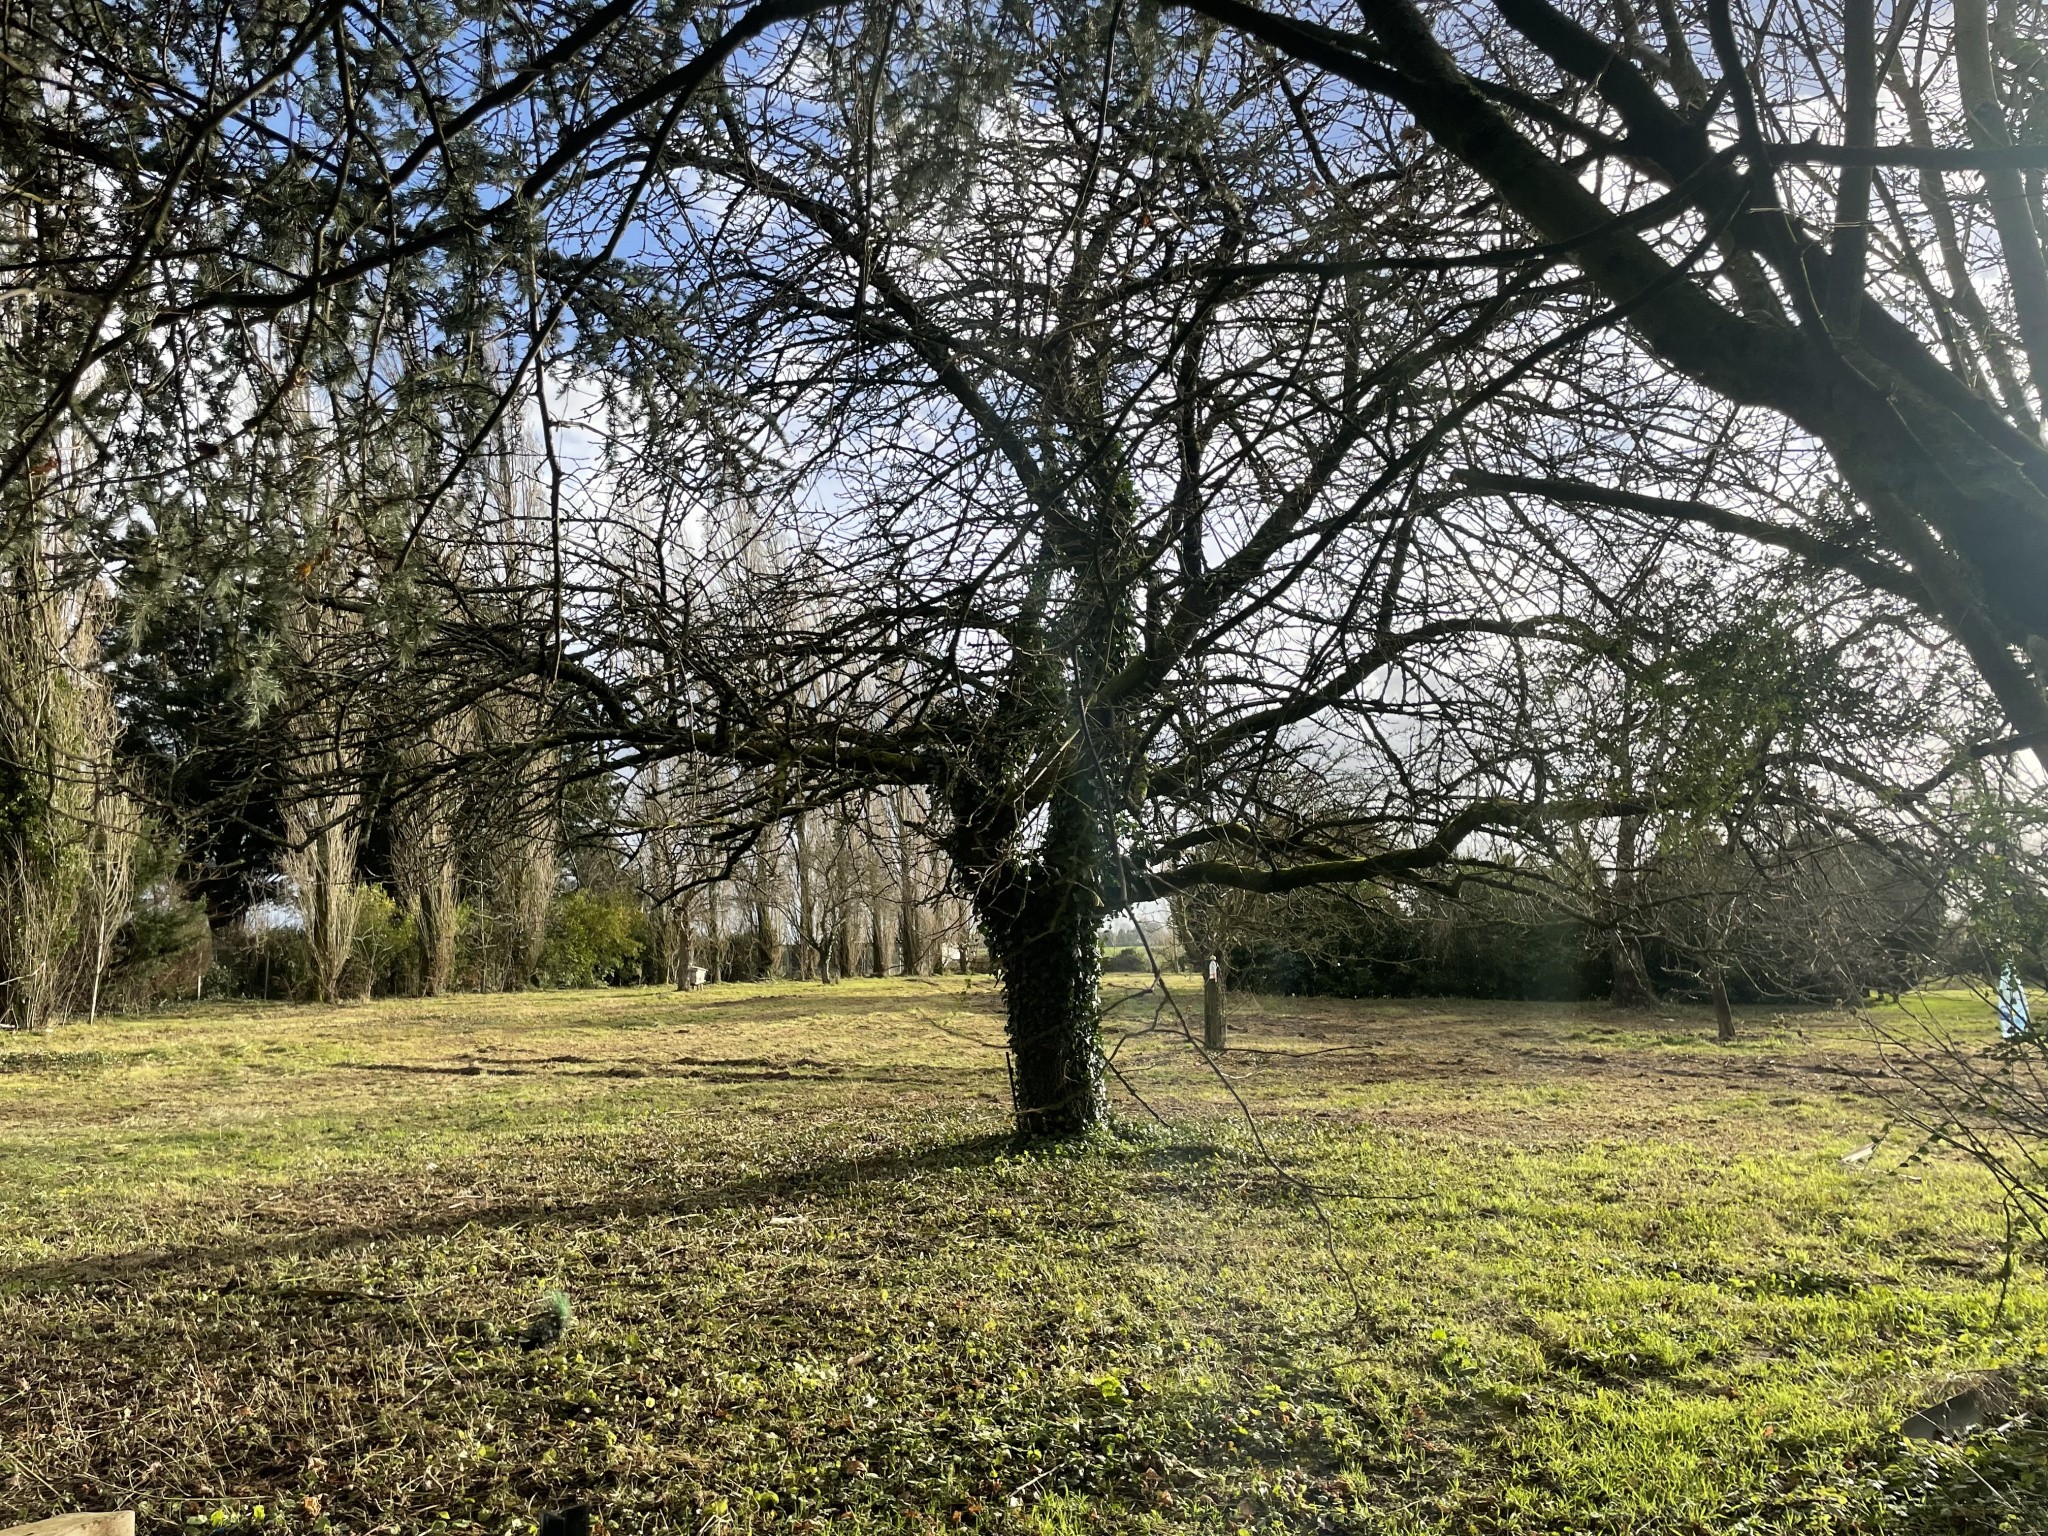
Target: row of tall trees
<point x="606" y="904"/>
<point x="854" y="890"/>
<point x="364" y="740"/>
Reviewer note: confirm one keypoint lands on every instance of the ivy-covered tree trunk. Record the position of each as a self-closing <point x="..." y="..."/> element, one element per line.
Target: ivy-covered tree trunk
<point x="1040" y="915"/>
<point x="1041" y="908"/>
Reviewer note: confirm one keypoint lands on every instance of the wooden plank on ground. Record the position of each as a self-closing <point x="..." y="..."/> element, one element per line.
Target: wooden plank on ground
<point x="104" y="1522"/>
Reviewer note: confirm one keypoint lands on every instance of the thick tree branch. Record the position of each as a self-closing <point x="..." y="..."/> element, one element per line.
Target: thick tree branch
<point x="1873" y="573"/>
<point x="1394" y="865"/>
<point x="2011" y="210"/>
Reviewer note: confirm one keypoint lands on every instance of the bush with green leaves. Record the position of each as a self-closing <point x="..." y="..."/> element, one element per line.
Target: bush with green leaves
<point x="594" y="940"/>
<point x="386" y="960"/>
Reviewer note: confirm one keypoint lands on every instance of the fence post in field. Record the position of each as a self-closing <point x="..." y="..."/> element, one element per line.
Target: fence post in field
<point x="1212" y="1005"/>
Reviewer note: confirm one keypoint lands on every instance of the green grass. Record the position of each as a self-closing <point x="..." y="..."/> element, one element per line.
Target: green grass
<point x="1507" y="1268"/>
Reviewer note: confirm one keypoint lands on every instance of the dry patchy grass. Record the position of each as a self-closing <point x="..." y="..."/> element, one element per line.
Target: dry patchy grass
<point x="1506" y="1268"/>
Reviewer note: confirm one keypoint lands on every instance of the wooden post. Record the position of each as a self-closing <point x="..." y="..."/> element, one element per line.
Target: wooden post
<point x="1724" y="1020"/>
<point x="1212" y="1005"/>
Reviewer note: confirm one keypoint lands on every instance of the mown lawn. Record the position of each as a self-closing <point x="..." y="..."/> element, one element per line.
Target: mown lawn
<point x="1466" y="1268"/>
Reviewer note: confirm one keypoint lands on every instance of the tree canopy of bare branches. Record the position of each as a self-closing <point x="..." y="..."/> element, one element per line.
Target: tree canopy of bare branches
<point x="1213" y="447"/>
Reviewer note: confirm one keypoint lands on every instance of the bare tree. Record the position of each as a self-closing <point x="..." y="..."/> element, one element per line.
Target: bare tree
<point x="324" y="810"/>
<point x="424" y="852"/>
<point x="1141" y="420"/>
<point x="1737" y="243"/>
<point x="1105" y="471"/>
<point x="512" y="849"/>
<point x="67" y="829"/>
<point x="1100" y="396"/>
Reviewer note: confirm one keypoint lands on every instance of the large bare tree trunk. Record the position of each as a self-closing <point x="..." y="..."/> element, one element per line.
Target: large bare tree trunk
<point x="804" y="909"/>
<point x="845" y="947"/>
<point x="913" y="930"/>
<point x="323" y="801"/>
<point x="881" y="923"/>
<point x="714" y="932"/>
<point x="767" y="944"/>
<point x="514" y="864"/>
<point x="117" y="829"/>
<point x="679" y="948"/>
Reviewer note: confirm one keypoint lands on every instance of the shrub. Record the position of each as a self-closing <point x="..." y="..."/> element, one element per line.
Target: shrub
<point x="268" y="961"/>
<point x="386" y="958"/>
<point x="163" y="952"/>
<point x="593" y="940"/>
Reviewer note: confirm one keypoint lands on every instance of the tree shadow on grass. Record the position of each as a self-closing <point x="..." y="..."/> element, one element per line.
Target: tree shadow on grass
<point x="192" y="1263"/>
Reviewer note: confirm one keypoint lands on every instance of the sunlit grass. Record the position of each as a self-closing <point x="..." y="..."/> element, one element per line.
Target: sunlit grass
<point x="1509" y="1267"/>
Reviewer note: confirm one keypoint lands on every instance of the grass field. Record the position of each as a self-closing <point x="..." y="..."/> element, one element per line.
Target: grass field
<point x="1479" y="1268"/>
